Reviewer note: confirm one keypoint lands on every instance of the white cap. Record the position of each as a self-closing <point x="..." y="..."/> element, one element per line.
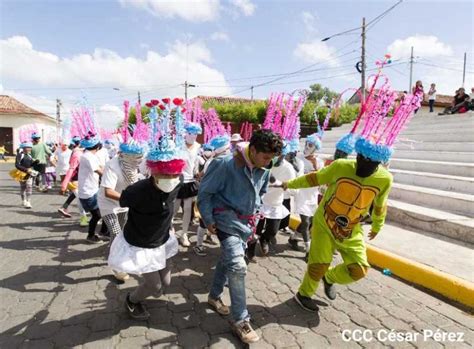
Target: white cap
<point x="236" y="137"/>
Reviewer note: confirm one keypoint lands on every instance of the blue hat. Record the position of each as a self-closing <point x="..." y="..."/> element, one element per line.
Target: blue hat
<point x="89" y="141"/>
<point x="26" y="145"/>
<point x="294" y="145"/>
<point x="132" y="148"/>
<point x="35" y="135"/>
<point x="375" y="152"/>
<point x="193" y="128"/>
<point x="219" y="141"/>
<point x="315" y="140"/>
<point x="286" y="147"/>
<point x="207" y="146"/>
<point x="347" y="143"/>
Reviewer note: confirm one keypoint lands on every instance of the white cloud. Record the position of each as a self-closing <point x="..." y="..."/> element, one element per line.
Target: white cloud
<point x="245" y="6"/>
<point x="220" y="36"/>
<point x="190" y="10"/>
<point x="156" y="75"/>
<point x="423" y="46"/>
<point x="316" y="52"/>
<point x="309" y="22"/>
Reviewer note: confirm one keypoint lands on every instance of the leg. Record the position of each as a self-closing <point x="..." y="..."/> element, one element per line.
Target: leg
<point x="69" y="200"/>
<point x="303" y="229"/>
<point x="187" y="211"/>
<point x="28" y="190"/>
<point x="286" y="221"/>
<point x="93" y="222"/>
<point x="271" y="229"/>
<point x="22" y="191"/>
<point x="152" y="285"/>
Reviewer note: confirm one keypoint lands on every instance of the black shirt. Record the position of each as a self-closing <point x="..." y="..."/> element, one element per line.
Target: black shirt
<point x="24" y="161"/>
<point x="150" y="213"/>
<point x="459" y="99"/>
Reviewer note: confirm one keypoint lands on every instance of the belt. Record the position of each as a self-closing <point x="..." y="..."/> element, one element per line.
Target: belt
<point x="252" y="220"/>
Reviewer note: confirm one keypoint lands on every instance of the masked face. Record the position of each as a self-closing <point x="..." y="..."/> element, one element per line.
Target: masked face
<point x="365" y="167"/>
<point x="190" y="139"/>
<point x="309" y="148"/>
<point x="132" y="160"/>
<point x="167" y="185"/>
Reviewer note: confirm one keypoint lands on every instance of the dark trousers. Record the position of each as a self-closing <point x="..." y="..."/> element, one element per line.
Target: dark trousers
<point x="431" y="103"/>
<point x="93" y="223"/>
<point x="285" y="222"/>
<point x="304" y="227"/>
<point x="267" y="229"/>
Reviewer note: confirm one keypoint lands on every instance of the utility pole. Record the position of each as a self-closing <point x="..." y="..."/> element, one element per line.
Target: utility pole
<point x="58" y="117"/>
<point x="362" y="75"/>
<point x="464" y="70"/>
<point x="139" y="99"/>
<point x="251" y="92"/>
<point x="186" y="85"/>
<point x="411" y="70"/>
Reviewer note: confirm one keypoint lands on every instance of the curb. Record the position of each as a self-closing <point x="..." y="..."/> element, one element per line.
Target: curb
<point x="449" y="286"/>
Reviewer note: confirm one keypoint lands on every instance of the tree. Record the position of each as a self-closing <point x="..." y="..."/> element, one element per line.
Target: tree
<point x="319" y="93"/>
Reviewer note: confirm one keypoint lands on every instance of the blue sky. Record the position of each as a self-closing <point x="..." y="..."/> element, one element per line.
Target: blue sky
<point x="49" y="47"/>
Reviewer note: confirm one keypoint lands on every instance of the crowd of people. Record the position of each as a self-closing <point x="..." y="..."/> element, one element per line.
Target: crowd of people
<point x="239" y="190"/>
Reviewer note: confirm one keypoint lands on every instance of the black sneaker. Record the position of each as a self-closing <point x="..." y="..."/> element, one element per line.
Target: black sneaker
<point x="293" y="244"/>
<point x="136" y="310"/>
<point x="306" y="303"/>
<point x="264" y="248"/>
<point x="329" y="289"/>
<point x="199" y="250"/>
<point x="94" y="239"/>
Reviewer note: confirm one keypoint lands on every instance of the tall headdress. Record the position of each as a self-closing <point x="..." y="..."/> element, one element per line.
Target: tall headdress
<point x="84" y="125"/>
<point x="133" y="142"/>
<point x="165" y="154"/>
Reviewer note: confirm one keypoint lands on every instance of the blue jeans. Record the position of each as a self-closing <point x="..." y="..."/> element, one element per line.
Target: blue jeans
<point x="231" y="267"/>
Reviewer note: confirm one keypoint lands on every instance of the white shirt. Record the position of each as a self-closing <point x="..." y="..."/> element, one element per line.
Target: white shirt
<point x="192" y="162"/>
<point x="62" y="165"/>
<point x="433" y="96"/>
<point x="273" y="198"/>
<point x="103" y="156"/>
<point x="306" y="199"/>
<point x="112" y="178"/>
<point x="88" y="178"/>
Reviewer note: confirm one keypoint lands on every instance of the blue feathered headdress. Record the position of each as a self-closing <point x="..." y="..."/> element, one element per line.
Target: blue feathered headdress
<point x="193" y="128"/>
<point x="375" y="152"/>
<point x="315" y="140"/>
<point x="347" y="143"/>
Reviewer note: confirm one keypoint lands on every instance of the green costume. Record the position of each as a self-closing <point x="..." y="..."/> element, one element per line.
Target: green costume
<point x="40" y="152"/>
<point x="336" y="222"/>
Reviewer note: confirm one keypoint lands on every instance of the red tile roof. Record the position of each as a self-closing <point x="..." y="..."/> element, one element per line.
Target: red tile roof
<point x="10" y="105"/>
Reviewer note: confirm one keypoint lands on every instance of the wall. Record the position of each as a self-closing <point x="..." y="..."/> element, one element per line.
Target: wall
<point x="16" y="121"/>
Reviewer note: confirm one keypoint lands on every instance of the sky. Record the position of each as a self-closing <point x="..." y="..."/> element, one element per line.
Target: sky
<point x="108" y="50"/>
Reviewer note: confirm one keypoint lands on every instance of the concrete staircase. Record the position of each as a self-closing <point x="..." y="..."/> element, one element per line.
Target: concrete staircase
<point x="433" y="169"/>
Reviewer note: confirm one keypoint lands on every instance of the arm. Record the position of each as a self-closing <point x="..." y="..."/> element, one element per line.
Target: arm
<point x="73" y="165"/>
<point x="212" y="183"/>
<point x="314" y="179"/>
<point x="109" y="183"/>
<point x="112" y="194"/>
<point x="380" y="209"/>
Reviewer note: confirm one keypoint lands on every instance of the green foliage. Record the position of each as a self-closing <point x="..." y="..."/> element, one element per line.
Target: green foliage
<point x="318" y="92"/>
<point x="346" y="114"/>
<point x="132" y="115"/>
<point x="239" y="112"/>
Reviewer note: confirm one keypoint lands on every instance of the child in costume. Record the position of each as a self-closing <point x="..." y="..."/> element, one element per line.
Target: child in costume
<point x="120" y="172"/>
<point x="353" y="185"/>
<point x="189" y="189"/>
<point x="147" y="242"/>
<point x="228" y="200"/>
<point x="221" y="148"/>
<point x="24" y="162"/>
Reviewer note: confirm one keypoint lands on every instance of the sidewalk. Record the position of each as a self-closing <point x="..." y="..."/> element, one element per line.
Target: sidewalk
<point x="57" y="292"/>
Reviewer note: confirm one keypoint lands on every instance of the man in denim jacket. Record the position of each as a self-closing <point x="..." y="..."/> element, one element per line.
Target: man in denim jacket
<point x="229" y="197"/>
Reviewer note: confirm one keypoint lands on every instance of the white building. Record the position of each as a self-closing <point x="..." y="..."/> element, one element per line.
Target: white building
<point x="13" y="115"/>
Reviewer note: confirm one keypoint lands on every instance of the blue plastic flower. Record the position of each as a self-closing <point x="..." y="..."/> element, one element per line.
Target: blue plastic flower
<point x="375" y="152"/>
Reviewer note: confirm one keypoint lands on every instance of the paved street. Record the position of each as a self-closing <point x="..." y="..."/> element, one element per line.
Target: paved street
<point x="56" y="291"/>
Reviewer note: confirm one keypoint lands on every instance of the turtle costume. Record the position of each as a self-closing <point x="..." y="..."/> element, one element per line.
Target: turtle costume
<point x="353" y="186"/>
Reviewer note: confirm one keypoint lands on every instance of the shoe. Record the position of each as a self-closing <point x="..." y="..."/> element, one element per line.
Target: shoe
<point x="210" y="240"/>
<point x="121" y="276"/>
<point x="329" y="289"/>
<point x="199" y="250"/>
<point x="294" y="244"/>
<point x="306" y="303"/>
<point x="84" y="221"/>
<point x="286" y="231"/>
<point x="27" y="204"/>
<point x="245" y="332"/>
<point x="136" y="310"/>
<point x="264" y="248"/>
<point x="218" y="305"/>
<point x="94" y="239"/>
<point x="23" y="203"/>
<point x="184" y="241"/>
<point x="49" y="187"/>
<point x="64" y="212"/>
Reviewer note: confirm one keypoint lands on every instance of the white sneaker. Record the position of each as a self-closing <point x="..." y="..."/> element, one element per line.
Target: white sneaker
<point x="184" y="240"/>
<point x="23" y="203"/>
<point x="121" y="276"/>
<point x="27" y="204"/>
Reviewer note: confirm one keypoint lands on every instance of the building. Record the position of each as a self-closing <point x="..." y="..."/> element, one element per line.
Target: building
<point x="441" y="102"/>
<point x="13" y="115"/>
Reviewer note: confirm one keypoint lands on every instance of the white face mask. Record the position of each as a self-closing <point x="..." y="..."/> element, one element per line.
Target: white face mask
<point x="167" y="185"/>
<point x="309" y="149"/>
<point x="190" y="139"/>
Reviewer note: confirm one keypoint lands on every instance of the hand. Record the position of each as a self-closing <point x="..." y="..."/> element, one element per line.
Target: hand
<point x="29" y="171"/>
<point x="212" y="228"/>
<point x="284" y="185"/>
<point x="372" y="235"/>
<point x="61" y="192"/>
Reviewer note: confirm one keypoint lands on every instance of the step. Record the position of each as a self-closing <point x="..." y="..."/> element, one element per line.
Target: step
<point x="447" y="168"/>
<point x="434" y="180"/>
<point x="424" y="137"/>
<point x="457" y="227"/>
<point x="443" y="254"/>
<point x="458" y="203"/>
<point x="447" y="156"/>
<point x="462" y="147"/>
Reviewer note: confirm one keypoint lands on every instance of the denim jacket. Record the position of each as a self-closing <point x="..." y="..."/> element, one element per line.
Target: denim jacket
<point x="229" y="191"/>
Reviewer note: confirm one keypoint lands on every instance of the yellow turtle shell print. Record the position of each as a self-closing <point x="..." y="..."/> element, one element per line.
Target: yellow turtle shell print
<point x="345" y="207"/>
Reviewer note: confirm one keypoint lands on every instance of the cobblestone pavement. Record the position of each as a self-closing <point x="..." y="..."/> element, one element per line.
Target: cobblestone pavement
<point x="56" y="291"/>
